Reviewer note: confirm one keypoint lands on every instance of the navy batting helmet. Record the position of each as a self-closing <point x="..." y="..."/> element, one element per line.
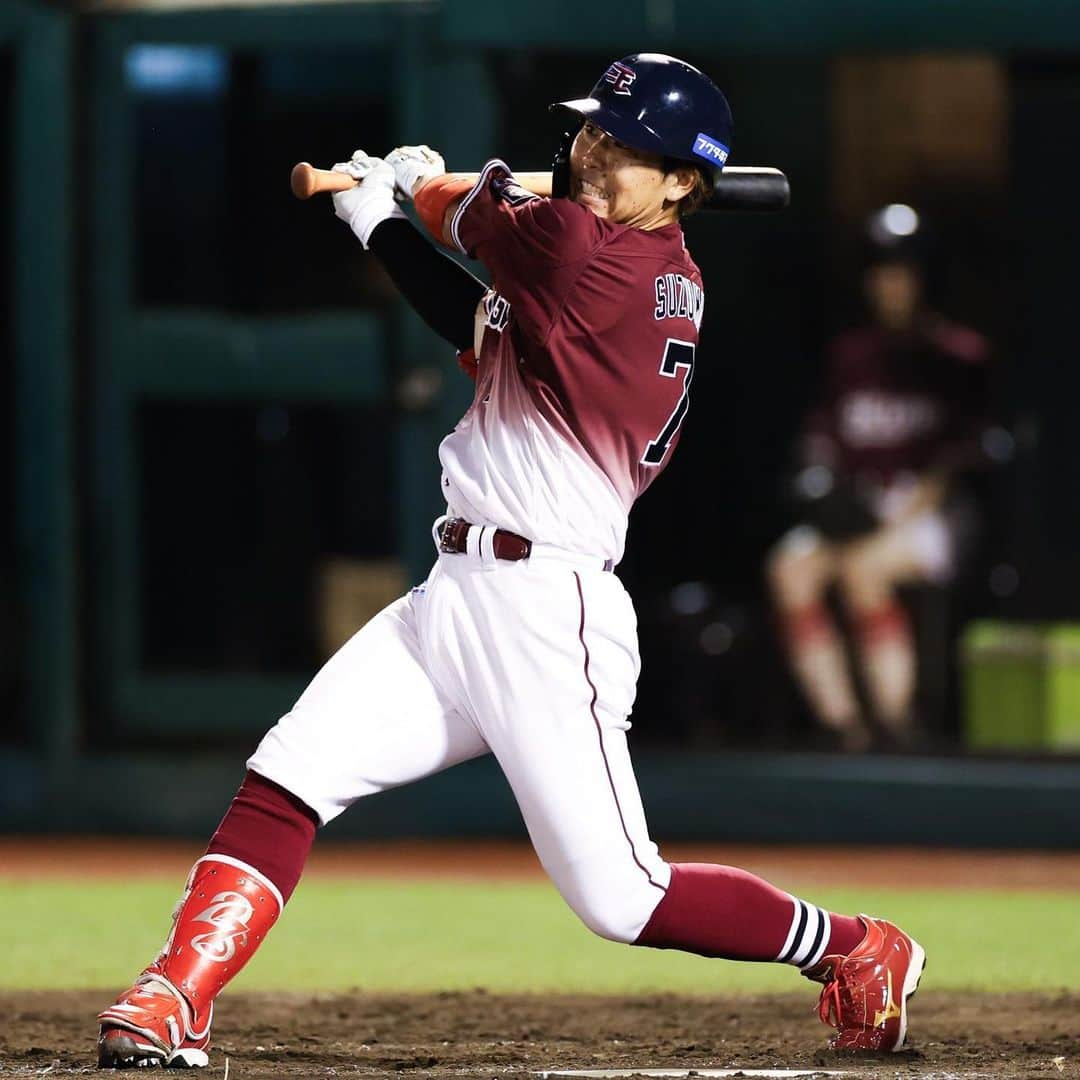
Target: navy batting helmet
<point x="662" y="105"/>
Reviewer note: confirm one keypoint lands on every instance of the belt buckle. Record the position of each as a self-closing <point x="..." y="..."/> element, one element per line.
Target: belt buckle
<point x="452" y="536"/>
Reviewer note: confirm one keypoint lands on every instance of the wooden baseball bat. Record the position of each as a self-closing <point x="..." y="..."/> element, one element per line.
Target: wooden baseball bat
<point x="306" y="181"/>
<point x="738" y="187"/>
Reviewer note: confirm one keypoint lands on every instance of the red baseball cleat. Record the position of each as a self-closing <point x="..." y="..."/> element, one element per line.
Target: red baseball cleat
<point x="226" y="911"/>
<point x="153" y="1024"/>
<point x="866" y="992"/>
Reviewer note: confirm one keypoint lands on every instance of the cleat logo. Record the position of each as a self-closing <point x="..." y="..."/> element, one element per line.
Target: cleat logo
<point x="229" y="913"/>
<point x="891" y="1009"/>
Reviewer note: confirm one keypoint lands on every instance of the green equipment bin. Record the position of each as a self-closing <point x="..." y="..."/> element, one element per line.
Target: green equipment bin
<point x="1062" y="723"/>
<point x="1004" y="680"/>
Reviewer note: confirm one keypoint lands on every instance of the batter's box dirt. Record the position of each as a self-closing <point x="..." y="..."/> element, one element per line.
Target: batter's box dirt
<point x="475" y="1034"/>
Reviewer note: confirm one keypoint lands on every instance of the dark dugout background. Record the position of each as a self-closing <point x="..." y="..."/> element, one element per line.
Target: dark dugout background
<point x="776" y="287"/>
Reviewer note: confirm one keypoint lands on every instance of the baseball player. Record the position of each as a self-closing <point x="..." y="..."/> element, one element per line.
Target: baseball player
<point x="902" y="411"/>
<point x="522" y="641"/>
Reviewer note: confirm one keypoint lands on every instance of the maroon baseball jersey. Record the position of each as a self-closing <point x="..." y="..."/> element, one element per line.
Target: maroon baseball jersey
<point x="902" y="402"/>
<point x="585" y="366"/>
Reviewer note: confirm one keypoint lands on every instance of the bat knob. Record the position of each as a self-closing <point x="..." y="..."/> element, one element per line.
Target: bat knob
<point x="306" y="180"/>
<point x="302" y="180"/>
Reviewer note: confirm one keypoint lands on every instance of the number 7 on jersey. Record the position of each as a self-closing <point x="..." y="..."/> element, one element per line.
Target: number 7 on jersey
<point x="677" y="354"/>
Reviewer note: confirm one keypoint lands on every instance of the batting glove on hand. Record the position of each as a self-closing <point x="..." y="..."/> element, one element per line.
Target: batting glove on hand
<point x="414" y="166"/>
<point x="372" y="200"/>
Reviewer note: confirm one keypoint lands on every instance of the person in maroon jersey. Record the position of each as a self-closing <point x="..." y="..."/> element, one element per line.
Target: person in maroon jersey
<point x="902" y="411"/>
<point x="522" y="641"/>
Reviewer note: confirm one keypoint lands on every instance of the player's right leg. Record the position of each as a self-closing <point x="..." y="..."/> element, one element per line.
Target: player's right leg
<point x="371" y="719"/>
<point x="554" y="699"/>
<point x="799" y="570"/>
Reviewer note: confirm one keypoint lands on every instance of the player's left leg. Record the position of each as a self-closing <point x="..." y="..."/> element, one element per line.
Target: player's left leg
<point x="869" y="570"/>
<point x="232" y="899"/>
<point x="373" y="718"/>
<point x="552" y="701"/>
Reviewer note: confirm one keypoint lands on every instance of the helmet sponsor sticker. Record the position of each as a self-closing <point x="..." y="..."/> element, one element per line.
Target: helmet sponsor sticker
<point x="712" y="150"/>
<point x="621" y="77"/>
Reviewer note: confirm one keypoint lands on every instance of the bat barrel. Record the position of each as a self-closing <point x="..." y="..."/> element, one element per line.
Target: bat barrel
<point x="750" y="187"/>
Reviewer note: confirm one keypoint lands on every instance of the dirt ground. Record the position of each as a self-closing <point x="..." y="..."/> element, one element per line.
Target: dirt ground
<point x="438" y="1036"/>
<point x="474" y="1034"/>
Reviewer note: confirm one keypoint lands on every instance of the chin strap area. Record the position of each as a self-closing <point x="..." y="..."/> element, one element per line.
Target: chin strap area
<point x="560" y="166"/>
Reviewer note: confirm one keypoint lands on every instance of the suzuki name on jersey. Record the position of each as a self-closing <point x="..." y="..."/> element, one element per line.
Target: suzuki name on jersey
<point x="677" y="297"/>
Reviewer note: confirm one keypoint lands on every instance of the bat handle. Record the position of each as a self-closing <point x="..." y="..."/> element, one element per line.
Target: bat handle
<point x="306" y="180"/>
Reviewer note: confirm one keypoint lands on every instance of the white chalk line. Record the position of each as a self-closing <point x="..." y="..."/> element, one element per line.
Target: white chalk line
<point x="628" y="1071"/>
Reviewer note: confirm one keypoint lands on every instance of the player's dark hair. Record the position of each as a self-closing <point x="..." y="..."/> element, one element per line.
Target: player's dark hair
<point x="698" y="194"/>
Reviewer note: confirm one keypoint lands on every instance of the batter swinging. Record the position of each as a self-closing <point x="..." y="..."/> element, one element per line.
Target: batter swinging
<point x="522" y="642"/>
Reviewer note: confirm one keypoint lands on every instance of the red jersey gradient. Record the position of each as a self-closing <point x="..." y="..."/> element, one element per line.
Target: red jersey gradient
<point x="586" y="358"/>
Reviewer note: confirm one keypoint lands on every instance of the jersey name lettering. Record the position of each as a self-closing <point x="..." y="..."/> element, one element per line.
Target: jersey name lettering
<point x="868" y="418"/>
<point x="496" y="311"/>
<point x="677" y="297"/>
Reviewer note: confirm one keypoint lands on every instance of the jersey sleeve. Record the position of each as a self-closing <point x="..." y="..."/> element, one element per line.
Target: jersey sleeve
<point x="819" y="440"/>
<point x="971" y="411"/>
<point x="533" y="246"/>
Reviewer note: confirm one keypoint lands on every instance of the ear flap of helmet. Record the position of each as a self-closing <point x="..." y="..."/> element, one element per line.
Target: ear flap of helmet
<point x="560" y="166"/>
<point x="662" y="105"/>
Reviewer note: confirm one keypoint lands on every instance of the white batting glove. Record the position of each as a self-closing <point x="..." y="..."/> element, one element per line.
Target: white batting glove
<point x="372" y="200"/>
<point x="414" y="165"/>
<point x="359" y="165"/>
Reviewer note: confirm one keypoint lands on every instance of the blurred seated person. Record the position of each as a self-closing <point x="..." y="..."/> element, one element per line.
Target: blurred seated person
<point x="903" y="407"/>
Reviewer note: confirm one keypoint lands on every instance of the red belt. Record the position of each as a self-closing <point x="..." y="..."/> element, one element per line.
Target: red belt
<point x="506" y="545"/>
<point x="453" y="535"/>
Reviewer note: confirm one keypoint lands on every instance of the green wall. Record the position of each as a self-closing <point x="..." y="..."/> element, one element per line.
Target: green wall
<point x="753" y="26"/>
<point x="442" y="78"/>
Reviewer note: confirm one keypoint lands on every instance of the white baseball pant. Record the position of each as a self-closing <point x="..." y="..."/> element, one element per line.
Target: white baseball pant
<point x="534" y="661"/>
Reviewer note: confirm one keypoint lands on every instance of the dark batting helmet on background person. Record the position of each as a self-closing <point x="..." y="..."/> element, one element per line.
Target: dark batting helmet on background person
<point x="897" y="233"/>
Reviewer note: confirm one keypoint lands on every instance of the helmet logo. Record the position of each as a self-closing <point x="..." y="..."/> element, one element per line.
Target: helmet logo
<point x="712" y="150"/>
<point x="621" y="77"/>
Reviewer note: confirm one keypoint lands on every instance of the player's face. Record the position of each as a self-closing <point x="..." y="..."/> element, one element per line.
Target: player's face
<point x="894" y="293"/>
<point x="622" y="184"/>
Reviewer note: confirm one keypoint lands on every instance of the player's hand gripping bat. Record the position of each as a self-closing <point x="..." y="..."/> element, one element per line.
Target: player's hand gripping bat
<point x="746" y="187"/>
